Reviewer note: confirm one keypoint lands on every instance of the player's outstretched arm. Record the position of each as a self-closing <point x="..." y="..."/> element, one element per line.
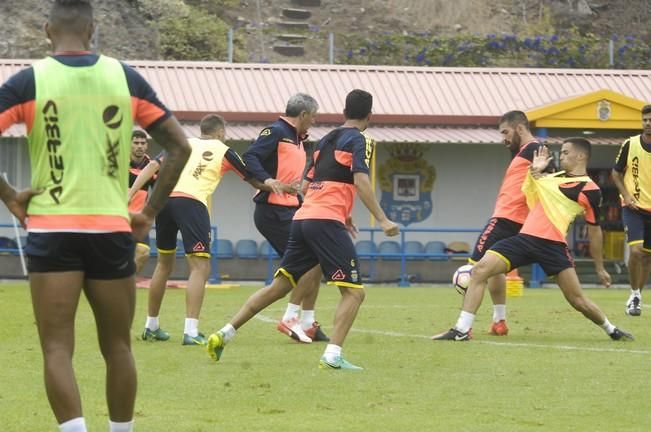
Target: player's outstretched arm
<point x="147" y="173"/>
<point x="595" y="236"/>
<point x="170" y="136"/>
<point x="366" y="194"/>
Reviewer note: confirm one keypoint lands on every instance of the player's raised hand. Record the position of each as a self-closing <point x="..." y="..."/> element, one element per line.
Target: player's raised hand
<point x="541" y="158"/>
<point x="390" y="228"/>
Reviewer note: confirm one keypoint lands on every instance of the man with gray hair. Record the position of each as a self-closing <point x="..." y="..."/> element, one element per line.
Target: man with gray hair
<point x="277" y="158"/>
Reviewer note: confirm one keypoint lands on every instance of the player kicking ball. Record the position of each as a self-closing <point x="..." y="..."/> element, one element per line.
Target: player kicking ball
<point x="555" y="201"/>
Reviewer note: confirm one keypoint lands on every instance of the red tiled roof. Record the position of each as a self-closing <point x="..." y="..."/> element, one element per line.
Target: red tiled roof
<point x="402" y="95"/>
<point x="393" y="134"/>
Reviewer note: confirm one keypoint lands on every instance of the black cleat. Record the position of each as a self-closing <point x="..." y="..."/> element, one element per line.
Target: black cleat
<point x="453" y="335"/>
<point x="316" y="334"/>
<point x="618" y="334"/>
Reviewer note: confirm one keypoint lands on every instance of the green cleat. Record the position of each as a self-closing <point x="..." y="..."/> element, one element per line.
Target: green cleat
<point x="199" y="339"/>
<point x="155" y="335"/>
<point x="338" y="363"/>
<point x="215" y="345"/>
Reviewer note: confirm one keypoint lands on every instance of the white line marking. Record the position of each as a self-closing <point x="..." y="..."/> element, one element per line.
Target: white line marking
<point x="506" y="344"/>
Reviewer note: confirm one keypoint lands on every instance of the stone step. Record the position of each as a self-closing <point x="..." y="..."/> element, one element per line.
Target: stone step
<point x="291" y="37"/>
<point x="294" y="25"/>
<point x="299" y="14"/>
<point x="308" y="3"/>
<point x="290" y="50"/>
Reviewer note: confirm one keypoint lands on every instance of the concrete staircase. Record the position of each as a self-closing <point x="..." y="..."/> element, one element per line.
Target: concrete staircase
<point x="294" y="23"/>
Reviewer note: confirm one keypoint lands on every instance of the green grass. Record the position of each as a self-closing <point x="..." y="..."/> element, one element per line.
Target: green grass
<point x="556" y="371"/>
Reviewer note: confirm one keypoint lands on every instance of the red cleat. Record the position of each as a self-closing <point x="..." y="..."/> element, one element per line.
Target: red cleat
<point x="499" y="328"/>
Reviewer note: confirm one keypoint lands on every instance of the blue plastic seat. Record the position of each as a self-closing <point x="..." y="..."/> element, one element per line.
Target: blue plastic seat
<point x="391" y="249"/>
<point x="414" y="247"/>
<point x="436" y="247"/>
<point x="265" y="249"/>
<point x="246" y="249"/>
<point x="365" y="249"/>
<point x="8" y="246"/>
<point x="224" y="249"/>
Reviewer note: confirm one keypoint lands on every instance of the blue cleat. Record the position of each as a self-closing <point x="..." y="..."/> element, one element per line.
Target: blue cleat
<point x="338" y="364"/>
<point x="194" y="340"/>
<point x="155" y="335"/>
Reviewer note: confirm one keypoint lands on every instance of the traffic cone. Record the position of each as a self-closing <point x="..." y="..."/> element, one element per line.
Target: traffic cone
<point x="514" y="284"/>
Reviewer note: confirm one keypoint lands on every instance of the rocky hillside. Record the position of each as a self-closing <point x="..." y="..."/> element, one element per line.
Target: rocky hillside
<point x="128" y="29"/>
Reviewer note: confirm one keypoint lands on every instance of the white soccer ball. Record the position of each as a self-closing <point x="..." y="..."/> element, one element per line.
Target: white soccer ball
<point x="461" y="278"/>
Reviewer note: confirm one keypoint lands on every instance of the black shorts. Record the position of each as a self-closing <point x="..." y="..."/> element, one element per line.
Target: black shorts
<point x="274" y="223"/>
<point x="496" y="229"/>
<point x="100" y="256"/>
<point x="192" y="219"/>
<point x="637" y="225"/>
<point x="146" y="242"/>
<point x="523" y="249"/>
<point x="325" y="242"/>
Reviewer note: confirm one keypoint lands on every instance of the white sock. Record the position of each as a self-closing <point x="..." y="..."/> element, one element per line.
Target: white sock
<point x="636" y="293"/>
<point x="464" y="323"/>
<point x="499" y="312"/>
<point x="191" y="327"/>
<point x="291" y="312"/>
<point x="228" y="331"/>
<point x="608" y="327"/>
<point x="75" y="425"/>
<point x="332" y="352"/>
<point x="120" y="427"/>
<point x="307" y="319"/>
<point x="152" y="323"/>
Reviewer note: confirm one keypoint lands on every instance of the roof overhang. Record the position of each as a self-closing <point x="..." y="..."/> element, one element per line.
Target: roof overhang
<point x="602" y="109"/>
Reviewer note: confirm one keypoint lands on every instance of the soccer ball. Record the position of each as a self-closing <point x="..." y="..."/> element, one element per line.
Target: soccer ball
<point x="461" y="278"/>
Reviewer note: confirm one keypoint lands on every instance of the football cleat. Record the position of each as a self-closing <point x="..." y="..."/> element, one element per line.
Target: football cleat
<point x="215" y="345"/>
<point x="499" y="328"/>
<point x="618" y="334"/>
<point x="634" y="307"/>
<point x="453" y="335"/>
<point x="316" y="334"/>
<point x="293" y="329"/>
<point x="199" y="339"/>
<point x="338" y="364"/>
<point x="154" y="335"/>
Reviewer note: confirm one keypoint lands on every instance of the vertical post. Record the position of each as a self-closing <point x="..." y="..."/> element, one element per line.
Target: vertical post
<point x="230" y="45"/>
<point x="404" y="277"/>
<point x="214" y="278"/>
<point x="611" y="53"/>
<point x="331" y="47"/>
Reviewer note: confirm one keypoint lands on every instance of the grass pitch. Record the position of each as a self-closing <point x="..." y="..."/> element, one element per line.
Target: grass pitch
<point x="555" y="371"/>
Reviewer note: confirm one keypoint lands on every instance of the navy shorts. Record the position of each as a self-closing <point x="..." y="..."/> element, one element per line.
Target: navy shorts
<point x="325" y="242"/>
<point x="523" y="249"/>
<point x="496" y="229"/>
<point x="191" y="218"/>
<point x="274" y="223"/>
<point x="637" y="226"/>
<point x="99" y="255"/>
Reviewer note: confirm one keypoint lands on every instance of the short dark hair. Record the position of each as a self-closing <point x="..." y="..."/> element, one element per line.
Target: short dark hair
<point x="646" y="109"/>
<point x="359" y="104"/>
<point x="138" y="134"/>
<point x="581" y="144"/>
<point x="514" y="118"/>
<point x="211" y="124"/>
<point x="71" y="15"/>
